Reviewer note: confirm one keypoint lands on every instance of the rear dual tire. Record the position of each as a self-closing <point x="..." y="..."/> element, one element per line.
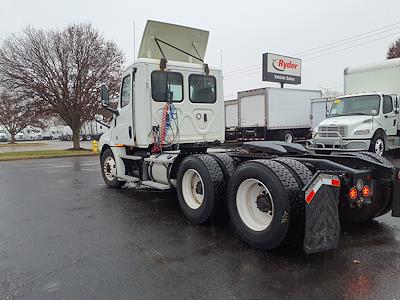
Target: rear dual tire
<point x="200" y="187"/>
<point x="265" y="203"/>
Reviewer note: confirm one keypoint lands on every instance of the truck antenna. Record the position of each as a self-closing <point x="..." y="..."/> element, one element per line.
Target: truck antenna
<point x="134" y="42"/>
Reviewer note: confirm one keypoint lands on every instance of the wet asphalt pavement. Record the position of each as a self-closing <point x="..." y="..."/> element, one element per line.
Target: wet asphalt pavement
<point x="65" y="235"/>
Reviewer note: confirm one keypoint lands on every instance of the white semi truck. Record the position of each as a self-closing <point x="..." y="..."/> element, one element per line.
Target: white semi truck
<point x="367" y="117"/>
<point x="170" y="118"/>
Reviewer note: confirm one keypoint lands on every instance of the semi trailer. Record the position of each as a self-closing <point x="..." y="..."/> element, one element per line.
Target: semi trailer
<point x="168" y="133"/>
<point x="367" y="117"/>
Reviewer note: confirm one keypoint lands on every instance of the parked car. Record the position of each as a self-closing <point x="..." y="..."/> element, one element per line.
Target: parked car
<point x="3" y="136"/>
<point x="30" y="134"/>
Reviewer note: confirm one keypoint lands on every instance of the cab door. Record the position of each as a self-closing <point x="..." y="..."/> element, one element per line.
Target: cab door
<point x="123" y="131"/>
<point x="389" y="115"/>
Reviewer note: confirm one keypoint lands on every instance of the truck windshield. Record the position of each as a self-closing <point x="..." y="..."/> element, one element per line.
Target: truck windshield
<point x="357" y="105"/>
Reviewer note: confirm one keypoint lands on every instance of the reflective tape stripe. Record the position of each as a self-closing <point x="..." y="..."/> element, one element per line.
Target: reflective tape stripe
<point x="322" y="181"/>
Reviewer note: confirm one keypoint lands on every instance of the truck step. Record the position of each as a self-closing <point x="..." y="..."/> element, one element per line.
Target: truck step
<point x="131" y="157"/>
<point x="156" y="185"/>
<point x="128" y="178"/>
<point x="160" y="160"/>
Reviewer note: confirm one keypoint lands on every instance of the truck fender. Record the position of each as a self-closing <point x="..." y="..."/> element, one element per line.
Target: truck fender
<point x="117" y="152"/>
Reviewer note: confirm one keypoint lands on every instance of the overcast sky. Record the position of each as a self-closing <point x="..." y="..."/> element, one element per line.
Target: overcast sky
<point x="243" y="30"/>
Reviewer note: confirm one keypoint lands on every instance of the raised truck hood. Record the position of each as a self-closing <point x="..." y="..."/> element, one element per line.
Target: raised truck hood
<point x="170" y="38"/>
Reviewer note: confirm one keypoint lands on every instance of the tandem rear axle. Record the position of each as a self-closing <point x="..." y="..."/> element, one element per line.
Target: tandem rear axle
<point x="274" y="192"/>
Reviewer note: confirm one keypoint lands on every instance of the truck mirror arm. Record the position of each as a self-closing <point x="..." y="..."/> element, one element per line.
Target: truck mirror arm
<point x="112" y="110"/>
<point x="102" y="123"/>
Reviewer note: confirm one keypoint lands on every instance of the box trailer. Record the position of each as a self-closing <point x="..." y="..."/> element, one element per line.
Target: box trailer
<point x="231" y="119"/>
<point x="275" y="113"/>
<point x="231" y="113"/>
<point x="366" y="118"/>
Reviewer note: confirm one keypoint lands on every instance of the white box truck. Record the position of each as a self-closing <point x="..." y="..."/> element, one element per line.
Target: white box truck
<point x="367" y="117"/>
<point x="231" y="113"/>
<point x="231" y="119"/>
<point x="171" y="112"/>
<point x="275" y="113"/>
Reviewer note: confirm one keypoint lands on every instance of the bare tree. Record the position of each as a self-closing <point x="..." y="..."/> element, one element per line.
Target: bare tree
<point x="394" y="50"/>
<point x="61" y="70"/>
<point x="16" y="113"/>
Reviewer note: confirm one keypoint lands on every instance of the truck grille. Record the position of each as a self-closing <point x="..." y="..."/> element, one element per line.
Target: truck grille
<point x="330" y="131"/>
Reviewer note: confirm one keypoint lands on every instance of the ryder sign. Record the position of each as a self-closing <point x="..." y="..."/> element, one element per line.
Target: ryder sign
<point x="283" y="69"/>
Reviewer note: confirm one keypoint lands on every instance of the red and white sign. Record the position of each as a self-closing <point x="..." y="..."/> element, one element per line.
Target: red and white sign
<point x="284" y="69"/>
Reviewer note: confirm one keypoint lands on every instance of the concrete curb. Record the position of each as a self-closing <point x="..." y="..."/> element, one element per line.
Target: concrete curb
<point x="46" y="156"/>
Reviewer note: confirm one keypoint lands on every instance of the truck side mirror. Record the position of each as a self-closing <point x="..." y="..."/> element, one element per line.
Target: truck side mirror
<point x="105" y="97"/>
<point x="374" y="112"/>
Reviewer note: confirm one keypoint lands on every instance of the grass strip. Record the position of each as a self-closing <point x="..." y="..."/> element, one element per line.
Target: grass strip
<point x="16" y="155"/>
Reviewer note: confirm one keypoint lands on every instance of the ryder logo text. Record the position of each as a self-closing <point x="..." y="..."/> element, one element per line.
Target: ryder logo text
<point x="282" y="65"/>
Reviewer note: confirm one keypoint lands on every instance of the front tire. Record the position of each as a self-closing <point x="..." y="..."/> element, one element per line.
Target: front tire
<point x="378" y="144"/>
<point x="287" y="136"/>
<point x="109" y="170"/>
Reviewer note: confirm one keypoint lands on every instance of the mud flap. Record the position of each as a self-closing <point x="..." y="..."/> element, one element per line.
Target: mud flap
<point x="322" y="224"/>
<point x="396" y="194"/>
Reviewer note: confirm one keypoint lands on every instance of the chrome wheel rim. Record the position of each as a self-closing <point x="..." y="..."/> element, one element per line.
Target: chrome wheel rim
<point x="379" y="147"/>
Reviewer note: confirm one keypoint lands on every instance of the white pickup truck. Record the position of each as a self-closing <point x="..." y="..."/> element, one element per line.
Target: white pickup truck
<point x="367" y="117"/>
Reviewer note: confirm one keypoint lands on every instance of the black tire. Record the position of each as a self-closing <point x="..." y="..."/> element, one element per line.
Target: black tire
<point x="302" y="174"/>
<point x="226" y="163"/>
<point x="114" y="183"/>
<point x="287" y="204"/>
<point x="287" y="134"/>
<point x="378" y="136"/>
<point x="212" y="188"/>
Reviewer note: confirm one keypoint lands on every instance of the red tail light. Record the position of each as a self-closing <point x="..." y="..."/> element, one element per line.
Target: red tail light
<point x="353" y="193"/>
<point x="366" y="191"/>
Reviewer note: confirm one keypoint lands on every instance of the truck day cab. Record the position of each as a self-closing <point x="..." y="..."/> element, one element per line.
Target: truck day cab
<point x="367" y="117"/>
<point x="170" y="118"/>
